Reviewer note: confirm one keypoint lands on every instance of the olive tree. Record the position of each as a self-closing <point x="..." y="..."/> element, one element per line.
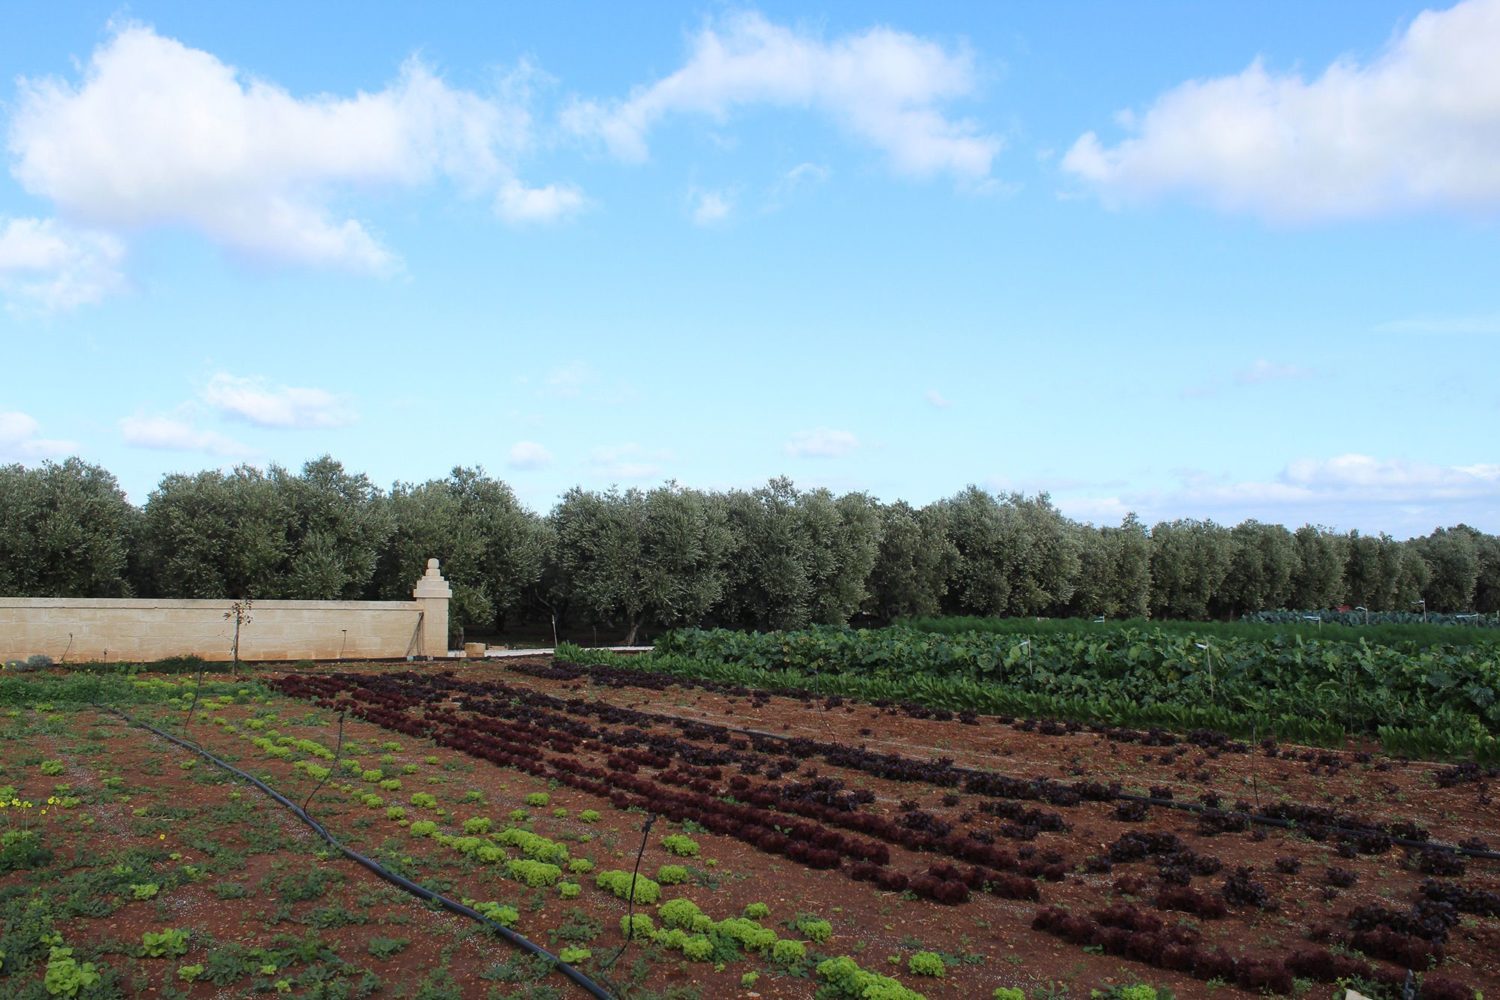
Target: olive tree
<point x="337" y="524"/>
<point x="1189" y="562"/>
<point x="1018" y="556"/>
<point x="1262" y="565"/>
<point x="767" y="583"/>
<point x="910" y="574"/>
<point x="1114" y="570"/>
<point x="1319" y="579"/>
<point x="65" y="531"/>
<point x="797" y="558"/>
<point x="1383" y="574"/>
<point x="640" y="558"/>
<point x="1487" y="579"/>
<point x="977" y="531"/>
<point x="213" y="535"/>
<point x="840" y="543"/>
<point x="1452" y="559"/>
<point x="1041" y="557"/>
<point x="491" y="547"/>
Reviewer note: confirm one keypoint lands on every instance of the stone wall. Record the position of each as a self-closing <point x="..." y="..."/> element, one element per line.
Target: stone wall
<point x="74" y="629"/>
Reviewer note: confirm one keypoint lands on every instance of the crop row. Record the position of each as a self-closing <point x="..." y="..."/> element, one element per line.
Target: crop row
<point x="1442" y="699"/>
<point x="684" y="769"/>
<point x="794" y="826"/>
<point x="534" y="719"/>
<point x="558" y="722"/>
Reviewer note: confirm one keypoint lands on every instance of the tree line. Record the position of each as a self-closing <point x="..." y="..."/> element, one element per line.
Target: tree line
<point x="772" y="557"/>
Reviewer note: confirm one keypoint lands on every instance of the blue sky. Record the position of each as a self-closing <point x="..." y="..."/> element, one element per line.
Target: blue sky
<point x="1184" y="259"/>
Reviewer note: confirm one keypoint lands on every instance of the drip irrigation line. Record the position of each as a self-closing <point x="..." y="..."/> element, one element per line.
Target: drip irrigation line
<point x="401" y="882"/>
<point x="630" y="911"/>
<point x="338" y="754"/>
<point x="197" y="690"/>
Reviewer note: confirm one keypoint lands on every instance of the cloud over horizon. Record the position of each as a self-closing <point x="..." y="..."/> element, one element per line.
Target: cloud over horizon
<point x="53" y="267"/>
<point x="20" y="438"/>
<point x="1348" y="491"/>
<point x="257" y="402"/>
<point x="1415" y="128"/>
<point x="883" y="86"/>
<point x="170" y="434"/>
<point x="157" y="133"/>
<point x="821" y="442"/>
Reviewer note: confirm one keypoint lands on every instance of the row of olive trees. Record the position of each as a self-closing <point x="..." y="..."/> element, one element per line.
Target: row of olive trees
<point x="774" y="557"/>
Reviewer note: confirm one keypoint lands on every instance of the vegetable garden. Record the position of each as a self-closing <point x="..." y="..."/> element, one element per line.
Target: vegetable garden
<point x="772" y="816"/>
<point x="1415" y="698"/>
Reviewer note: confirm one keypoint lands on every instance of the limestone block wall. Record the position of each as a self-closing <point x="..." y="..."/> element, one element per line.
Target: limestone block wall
<point x="74" y="629"/>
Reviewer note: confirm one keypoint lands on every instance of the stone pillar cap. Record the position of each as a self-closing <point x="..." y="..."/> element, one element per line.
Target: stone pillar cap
<point x="432" y="584"/>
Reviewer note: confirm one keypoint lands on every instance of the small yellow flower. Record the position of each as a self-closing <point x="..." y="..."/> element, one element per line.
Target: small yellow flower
<point x="161" y="836"/>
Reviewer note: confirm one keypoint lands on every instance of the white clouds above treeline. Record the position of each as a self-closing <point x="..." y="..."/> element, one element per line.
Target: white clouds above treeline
<point x="154" y="133"/>
<point x="240" y="399"/>
<point x="160" y="134"/>
<point x="885" y="87"/>
<point x="1345" y="491"/>
<point x="20" y="438"/>
<point x="258" y="402"/>
<point x="821" y="442"/>
<point x="1415" y="128"/>
<point x="160" y="433"/>
<point x="49" y="266"/>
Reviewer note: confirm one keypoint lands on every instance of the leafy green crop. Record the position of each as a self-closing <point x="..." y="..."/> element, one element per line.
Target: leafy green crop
<point x="65" y="976"/>
<point x="534" y="873"/>
<point x="845" y="978"/>
<point x="618" y="882"/>
<point x="1436" y="700"/>
<point x="160" y="944"/>
<point x="683" y="847"/>
<point x="927" y="963"/>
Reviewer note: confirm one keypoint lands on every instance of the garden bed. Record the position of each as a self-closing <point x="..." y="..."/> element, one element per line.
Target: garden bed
<point x="1000" y="853"/>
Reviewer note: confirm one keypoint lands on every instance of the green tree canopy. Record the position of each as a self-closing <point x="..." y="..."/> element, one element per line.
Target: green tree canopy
<point x="65" y="531"/>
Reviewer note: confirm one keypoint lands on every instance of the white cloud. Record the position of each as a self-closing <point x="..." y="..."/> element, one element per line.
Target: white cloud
<point x="711" y="208"/>
<point x="883" y="86"/>
<point x="1400" y="496"/>
<point x="1417" y="127"/>
<point x="1393" y="479"/>
<point x="256" y="402"/>
<point x="18" y="439"/>
<point x="1094" y="510"/>
<point x="1262" y="372"/>
<point x="806" y="173"/>
<point x="937" y="399"/>
<point x="52" y="267"/>
<point x="528" y="455"/>
<point x="822" y="442"/>
<point x="167" y="434"/>
<point x="520" y="204"/>
<point x="157" y="133"/>
<point x="1270" y="371"/>
<point x="628" y="461"/>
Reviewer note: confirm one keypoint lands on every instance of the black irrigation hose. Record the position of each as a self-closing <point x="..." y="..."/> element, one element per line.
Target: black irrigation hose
<point x="338" y="754"/>
<point x="197" y="690"/>
<point x="421" y="892"/>
<point x="630" y="912"/>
